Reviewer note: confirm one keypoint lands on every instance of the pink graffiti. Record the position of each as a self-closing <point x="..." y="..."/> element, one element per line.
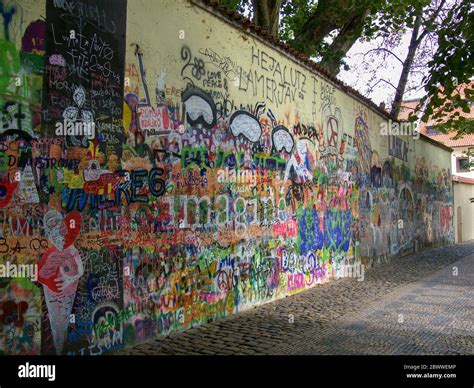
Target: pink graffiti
<point x="286" y="229"/>
<point x="58" y="60"/>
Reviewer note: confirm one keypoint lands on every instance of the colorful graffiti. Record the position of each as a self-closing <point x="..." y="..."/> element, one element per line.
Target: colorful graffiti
<point x="218" y="191"/>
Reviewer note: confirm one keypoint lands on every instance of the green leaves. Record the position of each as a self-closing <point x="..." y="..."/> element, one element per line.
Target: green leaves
<point x="452" y="65"/>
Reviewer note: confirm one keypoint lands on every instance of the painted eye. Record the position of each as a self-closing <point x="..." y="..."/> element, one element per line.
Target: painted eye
<point x="52" y="224"/>
<point x="3" y="191"/>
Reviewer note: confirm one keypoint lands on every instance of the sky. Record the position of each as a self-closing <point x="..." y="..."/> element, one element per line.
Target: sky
<point x="360" y="78"/>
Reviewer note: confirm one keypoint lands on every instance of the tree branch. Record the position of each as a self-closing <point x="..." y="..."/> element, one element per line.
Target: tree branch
<point x="383" y="80"/>
<point x="430" y="21"/>
<point x="385" y="50"/>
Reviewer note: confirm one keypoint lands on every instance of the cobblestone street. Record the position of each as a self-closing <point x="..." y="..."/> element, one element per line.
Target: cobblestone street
<point x="411" y="305"/>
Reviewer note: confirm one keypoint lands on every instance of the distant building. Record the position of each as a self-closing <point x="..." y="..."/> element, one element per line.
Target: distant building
<point x="462" y="167"/>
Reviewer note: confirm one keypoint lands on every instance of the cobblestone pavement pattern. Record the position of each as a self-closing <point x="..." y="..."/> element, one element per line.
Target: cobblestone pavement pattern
<point x="410" y="305"/>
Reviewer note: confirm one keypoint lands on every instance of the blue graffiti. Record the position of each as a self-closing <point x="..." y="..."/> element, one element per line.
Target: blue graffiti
<point x="310" y="234"/>
<point x="7" y="17"/>
<point x="338" y="229"/>
<point x="336" y="234"/>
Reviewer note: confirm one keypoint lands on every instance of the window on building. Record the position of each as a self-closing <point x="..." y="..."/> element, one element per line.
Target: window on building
<point x="431" y="131"/>
<point x="462" y="164"/>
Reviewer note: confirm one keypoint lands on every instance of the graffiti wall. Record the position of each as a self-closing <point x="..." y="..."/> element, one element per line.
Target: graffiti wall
<point x="161" y="168"/>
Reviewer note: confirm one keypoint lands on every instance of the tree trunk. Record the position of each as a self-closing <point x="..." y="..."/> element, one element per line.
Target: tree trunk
<point x="330" y="15"/>
<point x="407" y="64"/>
<point x="344" y="41"/>
<point x="266" y="14"/>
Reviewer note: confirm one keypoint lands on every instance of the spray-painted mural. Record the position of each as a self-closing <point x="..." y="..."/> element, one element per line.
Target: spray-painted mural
<point x="209" y="176"/>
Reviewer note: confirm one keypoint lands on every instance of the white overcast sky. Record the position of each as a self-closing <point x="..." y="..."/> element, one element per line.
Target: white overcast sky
<point x="359" y="77"/>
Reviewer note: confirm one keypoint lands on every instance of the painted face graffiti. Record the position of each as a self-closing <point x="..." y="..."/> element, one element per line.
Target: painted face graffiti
<point x="59" y="271"/>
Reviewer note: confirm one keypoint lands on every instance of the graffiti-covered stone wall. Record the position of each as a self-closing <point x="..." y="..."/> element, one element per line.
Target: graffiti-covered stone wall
<point x="161" y="167"/>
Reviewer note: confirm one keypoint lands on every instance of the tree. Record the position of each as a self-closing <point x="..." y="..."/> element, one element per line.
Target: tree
<point x="451" y="66"/>
<point x="422" y="21"/>
<point x="326" y="30"/>
<point x="265" y="13"/>
<point x="308" y="25"/>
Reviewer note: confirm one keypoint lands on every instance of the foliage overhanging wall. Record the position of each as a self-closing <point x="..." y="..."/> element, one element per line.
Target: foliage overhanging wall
<point x="212" y="174"/>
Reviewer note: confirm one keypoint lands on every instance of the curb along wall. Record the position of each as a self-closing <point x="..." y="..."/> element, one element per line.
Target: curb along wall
<point x="221" y="174"/>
